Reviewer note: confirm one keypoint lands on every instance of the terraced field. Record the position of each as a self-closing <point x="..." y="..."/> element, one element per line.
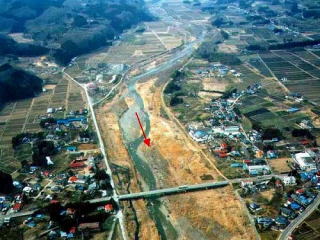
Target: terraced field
<point x="300" y="68"/>
<point x="24" y="116"/>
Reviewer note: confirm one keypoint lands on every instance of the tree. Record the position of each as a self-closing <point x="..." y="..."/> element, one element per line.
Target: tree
<point x="40" y="151"/>
<point x="302" y="133"/>
<point x="79" y="21"/>
<point x="175" y="101"/>
<point x="6" y="181"/>
<point x="276" y="199"/>
<point x="271" y="133"/>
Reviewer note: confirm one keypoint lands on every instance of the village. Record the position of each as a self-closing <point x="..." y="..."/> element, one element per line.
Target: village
<point x="65" y="170"/>
<point x="252" y="152"/>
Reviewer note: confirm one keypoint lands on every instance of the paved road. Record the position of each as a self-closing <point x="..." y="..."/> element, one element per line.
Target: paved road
<point x="103" y="151"/>
<point x="16" y="215"/>
<point x="165" y="191"/>
<point x="297" y="221"/>
<point x="259" y="178"/>
<point x="183" y="188"/>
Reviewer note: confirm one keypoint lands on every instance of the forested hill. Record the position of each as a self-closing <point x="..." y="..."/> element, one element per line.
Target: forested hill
<point x="71" y="27"/>
<point x="10" y="47"/>
<point x="17" y="84"/>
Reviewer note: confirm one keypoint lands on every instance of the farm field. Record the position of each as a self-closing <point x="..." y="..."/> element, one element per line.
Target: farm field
<point x="298" y="68"/>
<point x="309" y="229"/>
<point x="24" y="116"/>
<point x="268" y="112"/>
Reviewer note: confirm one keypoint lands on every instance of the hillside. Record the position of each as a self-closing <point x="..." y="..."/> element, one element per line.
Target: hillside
<point x="10" y="47"/>
<point x="17" y="84"/>
<point x="70" y="27"/>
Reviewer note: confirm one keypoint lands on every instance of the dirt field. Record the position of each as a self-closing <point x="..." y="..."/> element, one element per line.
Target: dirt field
<point x="208" y="213"/>
<point x="108" y="117"/>
<point x="227" y="48"/>
<point x="280" y="165"/>
<point x="213" y="84"/>
<point x="24" y="116"/>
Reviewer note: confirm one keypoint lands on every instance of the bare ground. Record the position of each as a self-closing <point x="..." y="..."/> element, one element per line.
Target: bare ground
<point x="214" y="214"/>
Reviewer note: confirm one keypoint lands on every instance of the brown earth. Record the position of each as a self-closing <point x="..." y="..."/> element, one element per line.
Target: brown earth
<point x="213" y="214"/>
<point x="108" y="117"/>
<point x="280" y="164"/>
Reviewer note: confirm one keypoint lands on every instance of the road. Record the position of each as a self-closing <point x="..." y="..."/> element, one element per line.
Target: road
<point x="103" y="151"/>
<point x="165" y="191"/>
<point x="16" y="215"/>
<point x="182" y="189"/>
<point x="246" y="210"/>
<point x="297" y="221"/>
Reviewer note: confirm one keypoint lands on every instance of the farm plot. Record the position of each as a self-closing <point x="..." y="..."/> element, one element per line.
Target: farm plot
<point x="76" y="98"/>
<point x="310" y="228"/>
<point x="25" y="115"/>
<point x="315" y="52"/>
<point x="259" y="65"/>
<point x="301" y="76"/>
<point x="127" y="52"/>
<point x="268" y="113"/>
<point x="299" y="63"/>
<point x="248" y="76"/>
<point x="308" y="56"/>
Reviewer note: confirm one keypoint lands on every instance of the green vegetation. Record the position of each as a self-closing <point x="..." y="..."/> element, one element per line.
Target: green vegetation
<point x="6" y="181"/>
<point x="208" y="51"/>
<point x="17" y="84"/>
<point x="67" y="24"/>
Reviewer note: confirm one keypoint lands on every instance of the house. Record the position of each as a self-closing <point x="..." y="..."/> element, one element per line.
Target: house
<point x="77" y="164"/>
<point x="236" y="165"/>
<point x="294" y="206"/>
<point x="265" y="221"/>
<point x="232" y="130"/>
<point x="293" y="110"/>
<point x="49" y="161"/>
<point x="50" y="110"/>
<point x="246" y="183"/>
<point x="253" y="207"/>
<point x="72" y="179"/>
<point x="199" y="135"/>
<point x="289" y="180"/>
<point x="306" y="124"/>
<point x="271" y="154"/>
<point x="27" y="189"/>
<point x="108" y="207"/>
<point x="17" y="207"/>
<point x="301" y="199"/>
<point x="281" y="221"/>
<point x="95" y="226"/>
<point x="71" y="148"/>
<point x="288" y="213"/>
<point x="256" y="167"/>
<point x="305" y="160"/>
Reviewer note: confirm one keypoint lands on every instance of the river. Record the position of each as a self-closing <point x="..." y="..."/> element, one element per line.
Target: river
<point x="128" y="120"/>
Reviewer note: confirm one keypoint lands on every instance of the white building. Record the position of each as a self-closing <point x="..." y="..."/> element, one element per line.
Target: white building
<point x="199" y="135"/>
<point x="50" y="110"/>
<point x="305" y="160"/>
<point x="258" y="169"/>
<point x="232" y="130"/>
<point x="289" y="180"/>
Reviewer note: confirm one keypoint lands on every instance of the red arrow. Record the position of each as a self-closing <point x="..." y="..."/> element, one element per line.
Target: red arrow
<point x="146" y="140"/>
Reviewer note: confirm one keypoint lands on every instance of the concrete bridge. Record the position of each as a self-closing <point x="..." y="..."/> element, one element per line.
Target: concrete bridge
<point x="164" y="192"/>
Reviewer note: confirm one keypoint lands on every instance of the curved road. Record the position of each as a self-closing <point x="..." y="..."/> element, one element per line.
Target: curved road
<point x="297" y="221"/>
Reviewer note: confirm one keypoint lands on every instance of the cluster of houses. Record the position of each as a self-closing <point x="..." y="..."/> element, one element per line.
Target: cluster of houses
<point x="80" y="176"/>
<point x="216" y="69"/>
<point x="11" y="204"/>
<point x="295" y="204"/>
<point x="223" y="129"/>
